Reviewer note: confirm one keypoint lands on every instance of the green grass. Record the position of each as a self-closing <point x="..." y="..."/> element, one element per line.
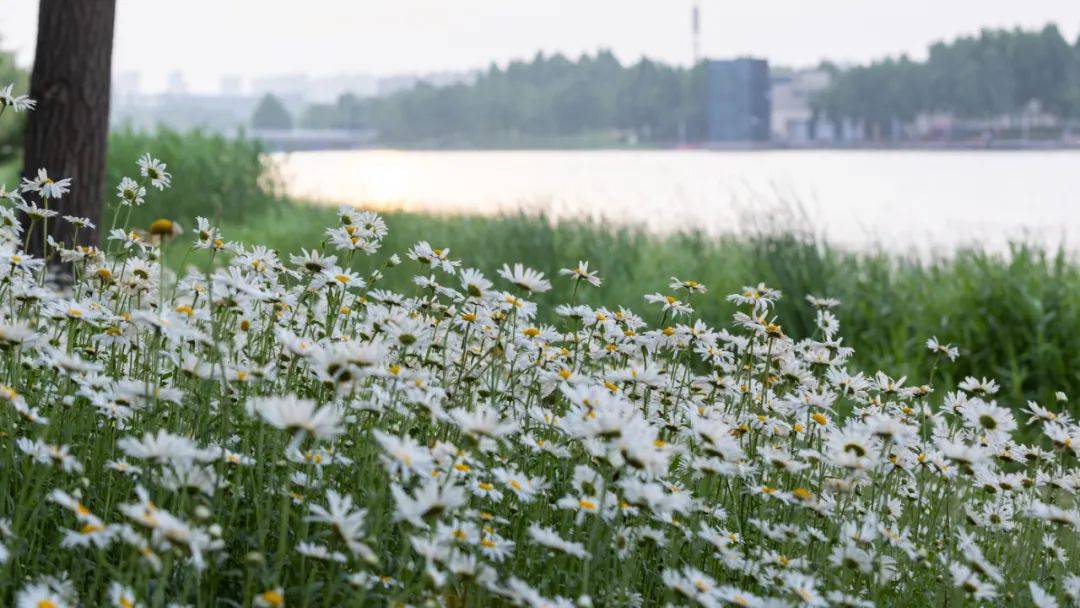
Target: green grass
<point x="9" y="173"/>
<point x="1014" y="316"/>
<point x="217" y="177"/>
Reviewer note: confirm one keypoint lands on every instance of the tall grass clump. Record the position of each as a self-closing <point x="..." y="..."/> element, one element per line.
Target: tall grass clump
<point x="228" y="179"/>
<point x="287" y="430"/>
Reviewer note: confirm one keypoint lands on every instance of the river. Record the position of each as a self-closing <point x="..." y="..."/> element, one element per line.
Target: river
<point x="909" y="200"/>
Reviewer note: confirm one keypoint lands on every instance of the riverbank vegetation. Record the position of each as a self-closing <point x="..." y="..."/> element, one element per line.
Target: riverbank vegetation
<point x="1007" y="309"/>
<point x="1004" y="308"/>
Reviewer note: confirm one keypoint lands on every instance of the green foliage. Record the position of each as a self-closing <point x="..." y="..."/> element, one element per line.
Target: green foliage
<point x="215" y="176"/>
<point x="9" y="173"/>
<point x="1006" y="312"/>
<point x="995" y="73"/>
<point x="551" y="99"/>
<point x="271" y="114"/>
<point x="11" y="127"/>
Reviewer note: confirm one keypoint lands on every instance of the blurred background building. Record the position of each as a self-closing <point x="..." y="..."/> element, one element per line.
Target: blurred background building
<point x="795" y="119"/>
<point x="737" y="107"/>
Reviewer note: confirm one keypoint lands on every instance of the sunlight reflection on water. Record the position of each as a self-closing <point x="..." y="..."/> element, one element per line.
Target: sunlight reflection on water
<point x="911" y="200"/>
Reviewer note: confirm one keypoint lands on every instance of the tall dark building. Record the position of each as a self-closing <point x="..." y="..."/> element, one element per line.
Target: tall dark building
<point x="738" y="106"/>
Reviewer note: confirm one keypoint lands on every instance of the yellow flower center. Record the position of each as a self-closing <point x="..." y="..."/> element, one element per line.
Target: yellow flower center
<point x="161" y="227"/>
<point x="90" y="529"/>
<point x="273" y="598"/>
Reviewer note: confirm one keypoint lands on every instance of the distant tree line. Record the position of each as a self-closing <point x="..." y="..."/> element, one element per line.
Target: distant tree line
<point x="995" y="73"/>
<point x="550" y="98"/>
<point x="271" y="113"/>
<point x="598" y="99"/>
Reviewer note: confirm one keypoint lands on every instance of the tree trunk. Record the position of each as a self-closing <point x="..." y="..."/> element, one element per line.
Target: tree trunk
<point x="68" y="132"/>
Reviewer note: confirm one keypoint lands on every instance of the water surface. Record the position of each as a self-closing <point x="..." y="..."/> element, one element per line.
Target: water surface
<point x="912" y="200"/>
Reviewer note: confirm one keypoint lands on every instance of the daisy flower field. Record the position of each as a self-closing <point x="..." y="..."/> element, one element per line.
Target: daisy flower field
<point x="266" y="429"/>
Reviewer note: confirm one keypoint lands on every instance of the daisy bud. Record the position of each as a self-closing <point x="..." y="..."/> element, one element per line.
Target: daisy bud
<point x="162" y="227"/>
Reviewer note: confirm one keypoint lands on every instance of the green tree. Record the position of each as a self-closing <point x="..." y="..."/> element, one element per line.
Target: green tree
<point x="545" y="99"/>
<point x="994" y="73"/>
<point x="271" y="114"/>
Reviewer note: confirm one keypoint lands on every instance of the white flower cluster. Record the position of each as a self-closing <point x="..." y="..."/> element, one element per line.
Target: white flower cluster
<point x="269" y="432"/>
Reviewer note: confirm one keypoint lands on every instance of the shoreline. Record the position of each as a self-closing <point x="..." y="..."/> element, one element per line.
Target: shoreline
<point x="293" y="144"/>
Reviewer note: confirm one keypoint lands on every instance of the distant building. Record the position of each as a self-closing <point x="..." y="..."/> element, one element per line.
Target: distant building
<point x="794" y="120"/>
<point x="176" y="83"/>
<point x="127" y="84"/>
<point x="230" y="107"/>
<point x="231" y="85"/>
<point x="738" y="107"/>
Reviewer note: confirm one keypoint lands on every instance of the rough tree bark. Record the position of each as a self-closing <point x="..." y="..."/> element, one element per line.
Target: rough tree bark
<point x="68" y="132"/>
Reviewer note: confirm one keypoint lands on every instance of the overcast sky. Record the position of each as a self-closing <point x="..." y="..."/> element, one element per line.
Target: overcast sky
<point x="208" y="39"/>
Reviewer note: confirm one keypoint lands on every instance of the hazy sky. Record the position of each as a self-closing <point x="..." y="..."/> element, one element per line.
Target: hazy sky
<point x="208" y="39"/>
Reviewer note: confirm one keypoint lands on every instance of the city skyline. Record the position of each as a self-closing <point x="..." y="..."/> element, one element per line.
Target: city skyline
<point x="426" y="36"/>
